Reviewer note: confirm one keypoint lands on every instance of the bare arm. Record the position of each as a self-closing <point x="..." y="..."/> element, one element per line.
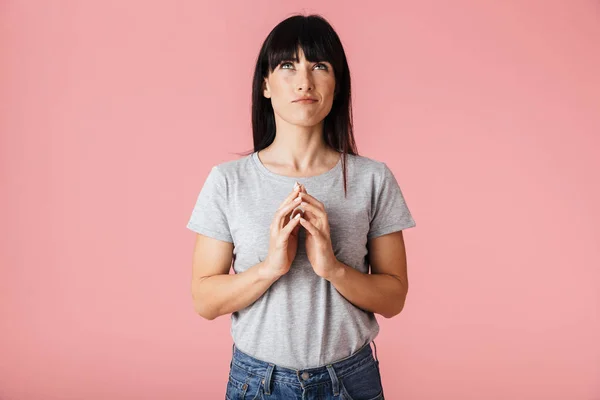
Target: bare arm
<point x="216" y="292"/>
<point x="384" y="290"/>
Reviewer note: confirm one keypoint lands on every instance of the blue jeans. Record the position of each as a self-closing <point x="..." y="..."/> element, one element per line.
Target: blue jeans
<point x="356" y="377"/>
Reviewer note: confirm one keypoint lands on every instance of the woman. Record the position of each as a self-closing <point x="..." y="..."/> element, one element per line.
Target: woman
<point x="308" y="216"/>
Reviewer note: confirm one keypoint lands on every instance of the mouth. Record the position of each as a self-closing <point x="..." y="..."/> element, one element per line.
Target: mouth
<point x="306" y="101"/>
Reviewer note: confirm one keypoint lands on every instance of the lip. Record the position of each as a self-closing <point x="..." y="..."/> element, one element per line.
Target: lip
<point x="306" y="100"/>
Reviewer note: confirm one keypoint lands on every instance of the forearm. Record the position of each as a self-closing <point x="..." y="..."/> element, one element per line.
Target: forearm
<point x="379" y="293"/>
<point x="223" y="294"/>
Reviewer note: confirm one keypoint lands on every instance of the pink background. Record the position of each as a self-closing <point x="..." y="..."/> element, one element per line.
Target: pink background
<point x="113" y="113"/>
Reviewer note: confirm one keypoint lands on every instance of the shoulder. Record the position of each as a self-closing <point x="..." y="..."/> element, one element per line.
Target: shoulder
<point x="230" y="169"/>
<point x="368" y="166"/>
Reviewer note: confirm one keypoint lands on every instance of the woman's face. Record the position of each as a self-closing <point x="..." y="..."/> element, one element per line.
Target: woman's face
<point x="291" y="81"/>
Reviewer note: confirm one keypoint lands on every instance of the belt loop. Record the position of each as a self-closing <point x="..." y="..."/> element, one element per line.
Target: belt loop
<point x="375" y="346"/>
<point x="232" y="355"/>
<point x="334" y="380"/>
<point x="267" y="379"/>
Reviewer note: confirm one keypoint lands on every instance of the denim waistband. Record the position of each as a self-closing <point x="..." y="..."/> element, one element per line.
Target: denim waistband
<point x="304" y="377"/>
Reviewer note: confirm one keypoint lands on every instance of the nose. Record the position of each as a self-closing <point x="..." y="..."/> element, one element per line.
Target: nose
<point x="304" y="81"/>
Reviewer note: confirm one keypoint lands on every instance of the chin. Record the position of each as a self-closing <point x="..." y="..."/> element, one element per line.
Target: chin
<point x="307" y="123"/>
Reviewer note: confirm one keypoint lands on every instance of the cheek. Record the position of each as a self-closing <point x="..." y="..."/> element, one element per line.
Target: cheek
<point x="279" y="103"/>
<point x="279" y="92"/>
<point x="329" y="81"/>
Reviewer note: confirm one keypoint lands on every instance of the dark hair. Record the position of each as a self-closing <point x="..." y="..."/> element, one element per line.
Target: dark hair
<point x="320" y="42"/>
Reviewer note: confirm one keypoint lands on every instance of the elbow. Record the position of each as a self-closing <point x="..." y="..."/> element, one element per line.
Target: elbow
<point x="394" y="311"/>
<point x="201" y="306"/>
<point x="204" y="312"/>
<point x="396" y="306"/>
<point x="207" y="316"/>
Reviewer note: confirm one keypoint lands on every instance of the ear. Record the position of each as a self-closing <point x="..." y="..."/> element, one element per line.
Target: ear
<point x="266" y="90"/>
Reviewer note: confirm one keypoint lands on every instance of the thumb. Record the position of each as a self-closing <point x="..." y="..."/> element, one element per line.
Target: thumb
<point x="294" y="231"/>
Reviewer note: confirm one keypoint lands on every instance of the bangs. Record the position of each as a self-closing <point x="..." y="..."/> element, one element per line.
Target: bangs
<point x="312" y="35"/>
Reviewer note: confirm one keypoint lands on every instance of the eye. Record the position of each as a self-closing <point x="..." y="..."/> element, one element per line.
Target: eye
<point x="284" y="63"/>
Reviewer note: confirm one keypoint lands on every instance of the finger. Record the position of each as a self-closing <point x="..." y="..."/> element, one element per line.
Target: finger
<point x="295" y="229"/>
<point x="309" y="227"/>
<point x="291" y="196"/>
<point x="287" y="230"/>
<point x="315" y="216"/>
<point x="283" y="212"/>
<point x="297" y="210"/>
<point x="317" y="212"/>
<point x="310" y="199"/>
<point x="284" y="208"/>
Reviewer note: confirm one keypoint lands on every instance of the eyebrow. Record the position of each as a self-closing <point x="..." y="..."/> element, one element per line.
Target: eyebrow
<point x="316" y="62"/>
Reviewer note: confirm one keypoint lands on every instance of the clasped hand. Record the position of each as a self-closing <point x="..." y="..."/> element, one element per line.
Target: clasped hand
<point x="319" y="249"/>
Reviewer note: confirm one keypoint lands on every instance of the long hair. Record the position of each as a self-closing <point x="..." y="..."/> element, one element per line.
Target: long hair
<point x="320" y="42"/>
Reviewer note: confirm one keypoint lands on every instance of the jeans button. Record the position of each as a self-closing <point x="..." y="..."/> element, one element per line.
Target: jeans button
<point x="305" y="375"/>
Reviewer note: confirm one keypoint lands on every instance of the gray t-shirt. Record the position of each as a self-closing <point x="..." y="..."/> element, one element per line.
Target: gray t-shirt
<point x="301" y="321"/>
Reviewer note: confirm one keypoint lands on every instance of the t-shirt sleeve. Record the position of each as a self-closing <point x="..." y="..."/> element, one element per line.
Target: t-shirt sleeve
<point x="389" y="212"/>
<point x="209" y="216"/>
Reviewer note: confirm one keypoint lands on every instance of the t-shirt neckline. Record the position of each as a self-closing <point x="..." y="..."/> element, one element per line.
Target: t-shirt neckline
<point x="292" y="179"/>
